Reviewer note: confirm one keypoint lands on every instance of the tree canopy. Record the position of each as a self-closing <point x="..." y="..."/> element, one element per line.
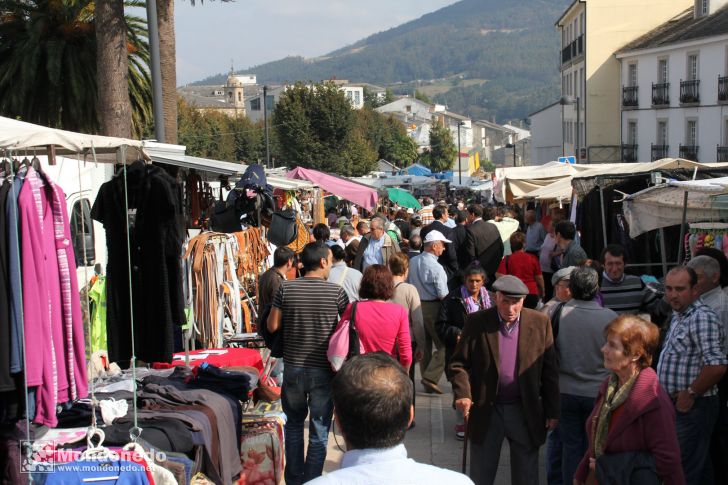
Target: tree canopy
<point x="442" y="152"/>
<point x="48" y="64"/>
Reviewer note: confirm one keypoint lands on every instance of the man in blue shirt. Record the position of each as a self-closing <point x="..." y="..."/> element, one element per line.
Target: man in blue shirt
<point x="430" y="279"/>
<point x="373" y="401"/>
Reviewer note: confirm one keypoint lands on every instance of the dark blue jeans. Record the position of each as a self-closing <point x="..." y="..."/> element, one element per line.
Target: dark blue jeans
<point x="554" y="457"/>
<point x="694" y="430"/>
<point x="306" y="390"/>
<point x="575" y="410"/>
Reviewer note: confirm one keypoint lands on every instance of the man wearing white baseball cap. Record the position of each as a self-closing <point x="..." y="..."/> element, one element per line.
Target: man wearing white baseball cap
<point x="430" y="279"/>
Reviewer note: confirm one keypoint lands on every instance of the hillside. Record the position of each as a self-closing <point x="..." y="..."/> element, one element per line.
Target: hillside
<point x="510" y="47"/>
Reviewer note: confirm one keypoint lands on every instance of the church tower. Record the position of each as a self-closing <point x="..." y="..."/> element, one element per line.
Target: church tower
<point x="234" y="96"/>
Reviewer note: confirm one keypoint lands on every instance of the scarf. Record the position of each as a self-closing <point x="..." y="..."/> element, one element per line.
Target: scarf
<point x="471" y="305"/>
<point x="613" y="398"/>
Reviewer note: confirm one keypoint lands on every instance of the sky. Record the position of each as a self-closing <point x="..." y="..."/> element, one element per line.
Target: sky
<point x="250" y="32"/>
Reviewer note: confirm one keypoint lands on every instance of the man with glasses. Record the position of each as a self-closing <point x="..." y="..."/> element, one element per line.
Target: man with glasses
<point x="375" y="247"/>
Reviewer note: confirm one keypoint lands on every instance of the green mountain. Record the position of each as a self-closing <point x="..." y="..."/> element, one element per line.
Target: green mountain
<point x="484" y="58"/>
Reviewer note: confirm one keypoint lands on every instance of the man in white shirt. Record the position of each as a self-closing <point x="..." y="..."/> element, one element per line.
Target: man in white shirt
<point x="506" y="226"/>
<point x="373" y="406"/>
<point x="344" y="276"/>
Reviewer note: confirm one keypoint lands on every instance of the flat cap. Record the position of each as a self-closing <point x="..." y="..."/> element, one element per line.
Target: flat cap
<point x="562" y="274"/>
<point x="511" y="286"/>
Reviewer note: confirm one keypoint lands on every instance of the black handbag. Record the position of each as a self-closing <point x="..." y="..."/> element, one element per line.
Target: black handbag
<point x="354" y="344"/>
<point x="283" y="228"/>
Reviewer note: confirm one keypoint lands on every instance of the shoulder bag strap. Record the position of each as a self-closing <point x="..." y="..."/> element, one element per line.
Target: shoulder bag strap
<point x="342" y="278"/>
<point x="556" y="319"/>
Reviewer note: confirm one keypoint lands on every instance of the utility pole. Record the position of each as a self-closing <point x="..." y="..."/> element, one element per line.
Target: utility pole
<point x="265" y="122"/>
<point x="156" y="70"/>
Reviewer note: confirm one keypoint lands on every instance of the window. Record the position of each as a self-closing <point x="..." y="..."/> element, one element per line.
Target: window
<point x="725" y="132"/>
<point x="691" y="134"/>
<point x="662" y="132"/>
<point x="632" y="133"/>
<point x="582" y="81"/>
<point x="255" y="104"/>
<point x="408" y="108"/>
<point x="583" y="27"/>
<point x="692" y="67"/>
<point x="270" y="102"/>
<point x="82" y="233"/>
<point x="663" y="74"/>
<point x="240" y="96"/>
<point x="632" y="75"/>
<point x="704" y="7"/>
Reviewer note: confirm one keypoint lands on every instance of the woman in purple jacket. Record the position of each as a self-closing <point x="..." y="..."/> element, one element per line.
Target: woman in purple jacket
<point x="633" y="414"/>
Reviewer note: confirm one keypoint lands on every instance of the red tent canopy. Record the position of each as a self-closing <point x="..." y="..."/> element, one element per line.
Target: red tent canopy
<point x="359" y="194"/>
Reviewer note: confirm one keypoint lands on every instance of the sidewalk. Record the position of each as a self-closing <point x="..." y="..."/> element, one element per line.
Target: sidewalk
<point x="433" y="440"/>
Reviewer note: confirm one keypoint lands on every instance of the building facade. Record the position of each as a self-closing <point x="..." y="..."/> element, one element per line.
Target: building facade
<point x="546" y="137"/>
<point x="674" y="85"/>
<point x="591" y="31"/>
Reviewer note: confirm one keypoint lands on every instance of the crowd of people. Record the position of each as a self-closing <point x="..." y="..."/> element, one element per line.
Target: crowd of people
<point x="542" y="344"/>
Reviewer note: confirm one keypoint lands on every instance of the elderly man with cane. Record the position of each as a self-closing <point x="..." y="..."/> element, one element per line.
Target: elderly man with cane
<point x="505" y="380"/>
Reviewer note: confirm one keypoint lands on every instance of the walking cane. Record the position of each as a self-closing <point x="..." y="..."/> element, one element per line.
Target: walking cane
<point x="465" y="446"/>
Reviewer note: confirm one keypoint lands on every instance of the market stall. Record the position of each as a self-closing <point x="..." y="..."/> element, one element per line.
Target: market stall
<point x="46" y="376"/>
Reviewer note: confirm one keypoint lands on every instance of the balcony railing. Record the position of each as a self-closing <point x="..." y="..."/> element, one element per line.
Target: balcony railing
<point x="572" y="50"/>
<point x="690" y="91"/>
<point x="722" y="154"/>
<point x="722" y="88"/>
<point x="689" y="152"/>
<point x="660" y="94"/>
<point x="630" y="96"/>
<point x="629" y="153"/>
<point x="658" y="152"/>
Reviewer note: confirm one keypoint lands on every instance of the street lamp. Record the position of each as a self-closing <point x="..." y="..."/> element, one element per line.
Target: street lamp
<point x="567" y="101"/>
<point x="512" y="145"/>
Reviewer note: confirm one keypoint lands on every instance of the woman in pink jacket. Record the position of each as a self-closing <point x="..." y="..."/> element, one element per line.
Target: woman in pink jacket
<point x="382" y="326"/>
<point x="632" y="412"/>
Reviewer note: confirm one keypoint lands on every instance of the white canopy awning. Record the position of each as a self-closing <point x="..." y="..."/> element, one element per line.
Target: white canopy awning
<point x="662" y="206"/>
<point x="174" y="155"/>
<point x="19" y="135"/>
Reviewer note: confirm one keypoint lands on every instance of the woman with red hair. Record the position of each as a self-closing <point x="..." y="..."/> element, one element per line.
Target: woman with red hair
<point x="631" y="431"/>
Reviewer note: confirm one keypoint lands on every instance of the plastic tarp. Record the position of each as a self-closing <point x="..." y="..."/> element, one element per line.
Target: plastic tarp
<point x="357" y="193"/>
<point x="418" y="169"/>
<point x="662" y="206"/>
<point x="19" y="135"/>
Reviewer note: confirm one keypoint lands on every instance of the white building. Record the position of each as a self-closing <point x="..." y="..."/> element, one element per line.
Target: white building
<point x="675" y="88"/>
<point x="254" y="103"/>
<point x="546" y="136"/>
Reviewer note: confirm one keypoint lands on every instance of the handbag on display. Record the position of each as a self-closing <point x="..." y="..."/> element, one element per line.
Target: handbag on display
<point x="344" y="342"/>
<point x="283" y="228"/>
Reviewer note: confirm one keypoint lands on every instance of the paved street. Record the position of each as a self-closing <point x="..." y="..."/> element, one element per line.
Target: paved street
<point x="433" y="440"/>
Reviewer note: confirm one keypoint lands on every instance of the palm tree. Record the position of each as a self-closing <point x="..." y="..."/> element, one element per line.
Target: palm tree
<point x="48" y="64"/>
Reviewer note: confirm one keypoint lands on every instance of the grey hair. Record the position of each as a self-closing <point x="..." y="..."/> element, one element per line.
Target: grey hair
<point x="380" y="220"/>
<point x="347" y="229"/>
<point x="709" y="265"/>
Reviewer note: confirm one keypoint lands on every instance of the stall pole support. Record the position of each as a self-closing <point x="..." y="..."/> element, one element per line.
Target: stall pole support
<point x="604" y="219"/>
<point x="265" y="124"/>
<point x="680" y="244"/>
<point x="156" y="70"/>
<point x="663" y="253"/>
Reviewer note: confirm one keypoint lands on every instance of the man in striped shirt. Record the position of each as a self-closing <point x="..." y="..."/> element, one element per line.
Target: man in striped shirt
<point x="621" y="292"/>
<point x="309" y="308"/>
